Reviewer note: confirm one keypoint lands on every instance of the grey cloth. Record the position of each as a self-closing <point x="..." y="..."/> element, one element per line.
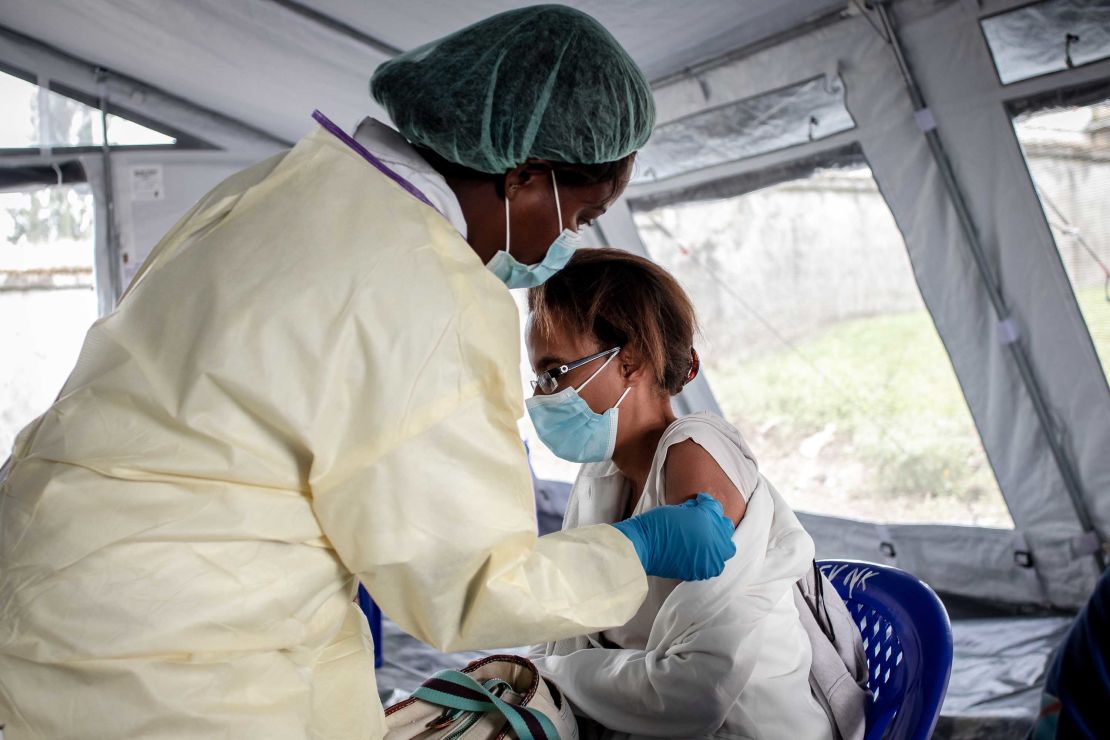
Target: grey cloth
<point x="838" y="673"/>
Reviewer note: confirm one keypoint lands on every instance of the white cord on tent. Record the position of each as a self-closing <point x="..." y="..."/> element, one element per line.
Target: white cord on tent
<point x="58" y="172"/>
<point x="1075" y="233"/>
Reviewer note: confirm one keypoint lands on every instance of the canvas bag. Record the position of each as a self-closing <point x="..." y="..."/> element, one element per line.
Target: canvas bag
<point x="502" y="696"/>
<point x="838" y="674"/>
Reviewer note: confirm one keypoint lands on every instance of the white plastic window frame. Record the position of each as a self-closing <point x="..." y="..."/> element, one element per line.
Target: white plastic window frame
<point x="182" y="140"/>
<point x="1069" y="38"/>
<point x="1073" y="96"/>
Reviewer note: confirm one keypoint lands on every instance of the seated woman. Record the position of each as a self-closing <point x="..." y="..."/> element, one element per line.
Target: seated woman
<point x="610" y="338"/>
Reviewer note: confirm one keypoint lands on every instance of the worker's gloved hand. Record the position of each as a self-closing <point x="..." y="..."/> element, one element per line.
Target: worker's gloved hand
<point x="690" y="542"/>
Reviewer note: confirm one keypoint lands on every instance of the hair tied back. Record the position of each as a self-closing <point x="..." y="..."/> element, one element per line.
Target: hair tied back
<point x="695" y="366"/>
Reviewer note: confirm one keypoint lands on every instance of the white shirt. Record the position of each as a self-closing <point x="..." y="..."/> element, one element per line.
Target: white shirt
<point x="724" y="658"/>
<point x="400" y="156"/>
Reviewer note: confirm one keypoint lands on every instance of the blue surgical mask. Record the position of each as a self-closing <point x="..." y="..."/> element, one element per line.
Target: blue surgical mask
<point x="570" y="428"/>
<point x="514" y="274"/>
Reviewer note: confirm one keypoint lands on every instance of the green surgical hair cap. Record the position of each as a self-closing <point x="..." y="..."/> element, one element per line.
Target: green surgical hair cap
<point x="545" y="82"/>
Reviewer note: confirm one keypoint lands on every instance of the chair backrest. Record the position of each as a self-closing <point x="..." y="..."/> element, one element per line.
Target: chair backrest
<point x="374" y="617"/>
<point x="908" y="641"/>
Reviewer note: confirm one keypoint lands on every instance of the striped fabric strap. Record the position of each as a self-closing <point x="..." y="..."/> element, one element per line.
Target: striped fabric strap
<point x="456" y="690"/>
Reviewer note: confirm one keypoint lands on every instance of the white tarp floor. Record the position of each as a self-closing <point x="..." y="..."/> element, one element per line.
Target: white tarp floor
<point x="994" y="692"/>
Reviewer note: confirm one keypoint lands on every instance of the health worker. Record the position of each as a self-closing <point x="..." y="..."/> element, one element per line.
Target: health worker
<point x="313" y="381"/>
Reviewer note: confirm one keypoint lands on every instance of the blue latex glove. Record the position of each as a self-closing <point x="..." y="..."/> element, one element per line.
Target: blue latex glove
<point x="689" y="542"/>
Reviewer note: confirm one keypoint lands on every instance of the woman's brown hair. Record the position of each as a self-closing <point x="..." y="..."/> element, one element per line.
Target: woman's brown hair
<point x="621" y="299"/>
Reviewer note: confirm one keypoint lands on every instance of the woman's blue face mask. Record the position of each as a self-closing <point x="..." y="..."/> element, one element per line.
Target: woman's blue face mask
<point x="570" y="428"/>
<point x="514" y="274"/>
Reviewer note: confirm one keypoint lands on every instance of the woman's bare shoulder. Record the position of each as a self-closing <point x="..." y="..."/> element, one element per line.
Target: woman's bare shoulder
<point x="690" y="469"/>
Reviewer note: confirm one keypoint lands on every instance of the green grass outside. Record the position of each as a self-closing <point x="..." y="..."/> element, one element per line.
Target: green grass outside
<point x="875" y="399"/>
<point x="887" y="405"/>
<point x="1096" y="312"/>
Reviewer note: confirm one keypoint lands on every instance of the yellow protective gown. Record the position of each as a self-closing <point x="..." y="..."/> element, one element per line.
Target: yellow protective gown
<point x="312" y="379"/>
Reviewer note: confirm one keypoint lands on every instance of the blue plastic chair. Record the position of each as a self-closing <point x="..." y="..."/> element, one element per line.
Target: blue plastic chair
<point x="908" y="641"/>
<point x="374" y="617"/>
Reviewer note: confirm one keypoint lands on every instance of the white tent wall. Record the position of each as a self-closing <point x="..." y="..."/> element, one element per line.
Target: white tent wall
<point x="257" y="62"/>
<point x="53" y="66"/>
<point x="142" y="218"/>
<point x="316" y="66"/>
<point x="268" y="63"/>
<point x="949" y="57"/>
<point x="136" y="224"/>
<point x="138" y="220"/>
<point x="948" y="53"/>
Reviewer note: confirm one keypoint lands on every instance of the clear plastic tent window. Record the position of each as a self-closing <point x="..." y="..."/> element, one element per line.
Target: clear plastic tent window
<point x="808" y="111"/>
<point x="1047" y="37"/>
<point x="1067" y="149"/>
<point x="47" y="297"/>
<point x="818" y="346"/>
<point x="38" y="117"/>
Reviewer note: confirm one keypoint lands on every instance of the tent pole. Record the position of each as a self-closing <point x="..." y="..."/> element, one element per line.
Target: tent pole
<point x="112" y="245"/>
<point x="994" y="289"/>
<point x="327" y="21"/>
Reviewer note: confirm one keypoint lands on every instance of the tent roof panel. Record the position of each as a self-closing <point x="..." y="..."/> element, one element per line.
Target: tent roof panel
<point x="263" y="63"/>
<point x="660" y="39"/>
<point x="253" y="61"/>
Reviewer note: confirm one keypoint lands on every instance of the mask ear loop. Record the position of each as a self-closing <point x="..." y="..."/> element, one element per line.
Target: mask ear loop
<point x="506" y="223"/>
<point x="558" y="213"/>
<point x="558" y="208"/>
<point x="597" y="372"/>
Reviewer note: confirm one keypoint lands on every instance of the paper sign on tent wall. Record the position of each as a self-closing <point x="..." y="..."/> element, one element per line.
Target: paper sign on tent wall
<point x="147" y="182"/>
